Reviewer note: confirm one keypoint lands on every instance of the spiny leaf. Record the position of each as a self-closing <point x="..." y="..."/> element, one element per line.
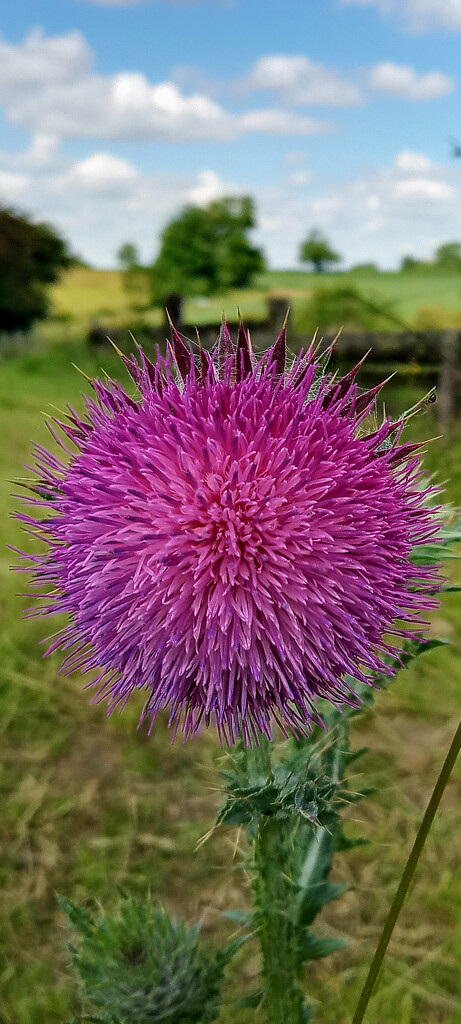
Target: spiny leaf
<point x="311" y="900"/>
<point x="252" y="1001"/>
<point x="316" y="949"/>
<point x="240" y="916"/>
<point x="343" y="842"/>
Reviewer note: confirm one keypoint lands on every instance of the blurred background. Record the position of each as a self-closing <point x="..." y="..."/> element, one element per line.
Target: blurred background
<point x="211" y="156"/>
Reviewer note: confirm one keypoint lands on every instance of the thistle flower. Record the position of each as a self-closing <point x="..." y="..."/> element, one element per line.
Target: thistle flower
<point x="138" y="966"/>
<point x="232" y="539"/>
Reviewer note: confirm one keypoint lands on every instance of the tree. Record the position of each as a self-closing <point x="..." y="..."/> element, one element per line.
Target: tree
<point x="448" y="256"/>
<point x="31" y="257"/>
<point x="411" y="265"/>
<point x="128" y="256"/>
<point x="135" y="277"/>
<point x="317" y="250"/>
<point x="206" y="250"/>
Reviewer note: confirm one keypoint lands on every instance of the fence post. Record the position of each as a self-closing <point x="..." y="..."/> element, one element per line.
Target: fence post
<point x="448" y="387"/>
<point x="278" y="306"/>
<point x="174" y="303"/>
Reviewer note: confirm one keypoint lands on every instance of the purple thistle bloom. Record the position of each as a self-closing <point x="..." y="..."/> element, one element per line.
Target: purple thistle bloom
<point x="233" y="540"/>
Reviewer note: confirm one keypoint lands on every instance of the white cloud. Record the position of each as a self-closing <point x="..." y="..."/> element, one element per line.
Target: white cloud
<point x="102" y="172"/>
<point x="300" y="178"/>
<point x="298" y="81"/>
<point x="48" y="86"/>
<point x="403" y="82"/>
<point x="98" y="202"/>
<point x="409" y="162"/>
<point x="409" y="207"/>
<point x="420" y="15"/>
<point x="38" y="60"/>
<point x="209" y="186"/>
<point x="13" y="186"/>
<point x="43" y="151"/>
<point x="282" y="122"/>
<point x="422" y="189"/>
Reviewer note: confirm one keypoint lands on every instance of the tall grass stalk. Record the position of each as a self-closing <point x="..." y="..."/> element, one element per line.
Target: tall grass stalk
<point x="407" y="876"/>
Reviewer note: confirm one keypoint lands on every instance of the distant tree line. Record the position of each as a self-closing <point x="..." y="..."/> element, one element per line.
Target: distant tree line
<point x="446" y="257"/>
<point x="203" y="251"/>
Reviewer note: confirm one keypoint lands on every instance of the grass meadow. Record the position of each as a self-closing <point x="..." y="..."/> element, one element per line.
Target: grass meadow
<point x="420" y="298"/>
<point x="91" y="806"/>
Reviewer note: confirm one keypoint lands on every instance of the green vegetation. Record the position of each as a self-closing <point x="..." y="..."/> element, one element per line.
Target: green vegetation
<point x="207" y="250"/>
<point x="317" y="250"/>
<point x="91" y="806"/>
<point x="427" y="298"/>
<point x="31" y="257"/>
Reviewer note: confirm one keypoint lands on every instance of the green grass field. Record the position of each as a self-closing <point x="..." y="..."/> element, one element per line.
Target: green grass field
<point x="91" y="805"/>
<point x="425" y="299"/>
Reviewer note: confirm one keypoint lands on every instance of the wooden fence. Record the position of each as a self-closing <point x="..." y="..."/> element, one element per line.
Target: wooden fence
<point x="435" y="355"/>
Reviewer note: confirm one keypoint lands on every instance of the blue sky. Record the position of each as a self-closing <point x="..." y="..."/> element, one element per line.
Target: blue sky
<point x="334" y="114"/>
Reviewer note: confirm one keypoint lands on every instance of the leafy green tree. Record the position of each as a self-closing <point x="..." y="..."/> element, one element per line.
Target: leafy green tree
<point x="128" y="256"/>
<point x="317" y="250"/>
<point x="207" y="250"/>
<point x="31" y="257"/>
<point x="135" y="277"/>
<point x="448" y="256"/>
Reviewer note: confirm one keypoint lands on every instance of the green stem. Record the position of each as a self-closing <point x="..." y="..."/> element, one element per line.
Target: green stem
<point x="277" y="933"/>
<point x="407" y="876"/>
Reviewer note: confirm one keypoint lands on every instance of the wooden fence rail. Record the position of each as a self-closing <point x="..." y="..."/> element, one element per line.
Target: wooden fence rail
<point x="435" y="355"/>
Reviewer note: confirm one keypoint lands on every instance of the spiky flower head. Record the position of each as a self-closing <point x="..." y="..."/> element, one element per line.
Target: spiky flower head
<point x="232" y="539"/>
<point x="138" y="966"/>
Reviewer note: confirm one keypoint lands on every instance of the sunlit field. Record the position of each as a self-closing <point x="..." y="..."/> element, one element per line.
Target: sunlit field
<point x="421" y="298"/>
<point x="91" y="806"/>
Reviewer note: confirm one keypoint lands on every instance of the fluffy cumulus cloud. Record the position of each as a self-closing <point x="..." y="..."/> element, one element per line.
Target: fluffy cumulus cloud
<point x="403" y="82"/>
<point x="102" y="172"/>
<point x="49" y="85"/>
<point x="298" y="81"/>
<point x="408" y="207"/>
<point x="420" y="15"/>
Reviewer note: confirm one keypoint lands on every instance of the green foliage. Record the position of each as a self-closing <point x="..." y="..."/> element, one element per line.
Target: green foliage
<point x="344" y="305"/>
<point x="135" y="277"/>
<point x="128" y="256"/>
<point x="31" y="257"/>
<point x="207" y="250"/>
<point x="365" y="269"/>
<point x="293" y="786"/>
<point x="317" y="250"/>
<point x="291" y="809"/>
<point x="448" y="256"/>
<point x="409" y="263"/>
<point x="138" y="966"/>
